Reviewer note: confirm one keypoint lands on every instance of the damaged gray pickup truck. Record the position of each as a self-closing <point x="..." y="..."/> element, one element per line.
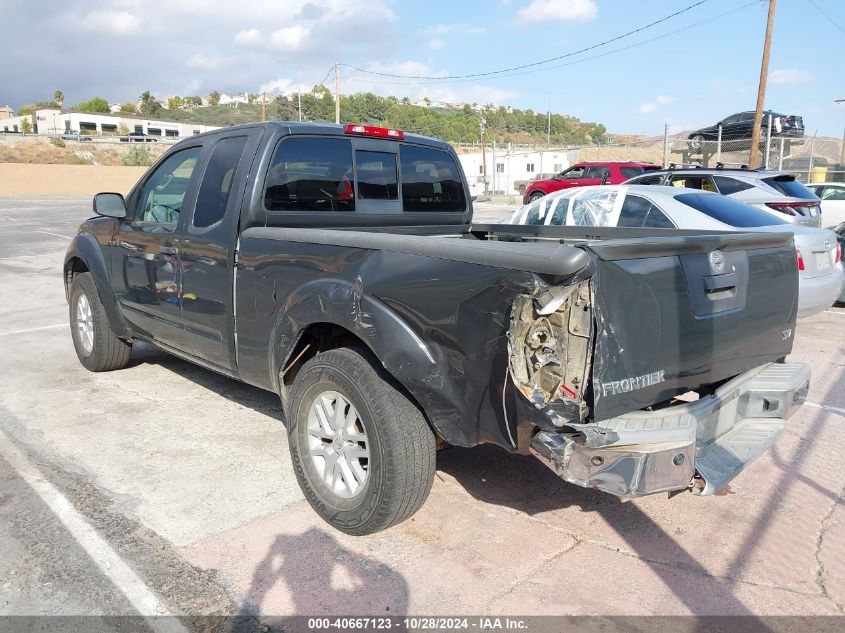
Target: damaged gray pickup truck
<point x="338" y="267"/>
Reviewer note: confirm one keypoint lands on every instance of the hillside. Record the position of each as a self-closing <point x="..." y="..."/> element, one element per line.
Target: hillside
<point x="456" y="125"/>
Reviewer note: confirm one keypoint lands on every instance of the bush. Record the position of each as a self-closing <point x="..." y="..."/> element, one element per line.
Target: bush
<point x="137" y="157"/>
<point x="57" y="141"/>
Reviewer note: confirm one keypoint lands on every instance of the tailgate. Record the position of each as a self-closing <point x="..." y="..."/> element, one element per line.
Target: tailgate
<point x="678" y="313"/>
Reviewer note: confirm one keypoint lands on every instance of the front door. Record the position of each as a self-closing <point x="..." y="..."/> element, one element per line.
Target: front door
<point x="146" y="267"/>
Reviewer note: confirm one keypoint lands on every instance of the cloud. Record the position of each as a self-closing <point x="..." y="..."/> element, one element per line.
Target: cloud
<point x="436" y="44"/>
<point x="277" y="86"/>
<point x="247" y="38"/>
<point x="202" y="61"/>
<point x="290" y="38"/>
<point x="461" y="28"/>
<point x="116" y="22"/>
<point x="790" y="76"/>
<point x="659" y="100"/>
<point x="557" y="10"/>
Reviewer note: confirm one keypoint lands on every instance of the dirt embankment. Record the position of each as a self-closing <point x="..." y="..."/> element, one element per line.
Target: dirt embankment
<point x="16" y="148"/>
<point x="20" y="179"/>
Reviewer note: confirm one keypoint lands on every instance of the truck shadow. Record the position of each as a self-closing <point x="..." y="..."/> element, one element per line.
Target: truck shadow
<point x="318" y="576"/>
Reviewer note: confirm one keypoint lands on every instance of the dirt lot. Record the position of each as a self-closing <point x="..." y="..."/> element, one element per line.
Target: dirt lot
<point x="18" y="179"/>
<point x="184" y="477"/>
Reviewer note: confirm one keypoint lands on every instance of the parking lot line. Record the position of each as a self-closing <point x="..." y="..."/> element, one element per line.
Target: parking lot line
<point x="34" y="329"/>
<point x="139" y="595"/>
<point x="55" y="234"/>
<point x="838" y="312"/>
<point x="826" y="407"/>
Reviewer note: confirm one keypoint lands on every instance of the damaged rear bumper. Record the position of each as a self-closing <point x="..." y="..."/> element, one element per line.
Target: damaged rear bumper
<point x="713" y="438"/>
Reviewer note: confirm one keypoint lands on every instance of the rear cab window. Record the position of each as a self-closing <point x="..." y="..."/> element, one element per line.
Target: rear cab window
<point x="727" y="186"/>
<point x="338" y="174"/>
<point x="637" y="212"/>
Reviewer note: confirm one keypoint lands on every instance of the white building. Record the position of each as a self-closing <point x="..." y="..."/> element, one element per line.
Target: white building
<point x="53" y="121"/>
<point x="504" y="167"/>
<point x="14" y="124"/>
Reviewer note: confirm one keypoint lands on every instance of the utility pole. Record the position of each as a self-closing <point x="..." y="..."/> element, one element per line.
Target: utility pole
<point x="299" y="99"/>
<point x="754" y="154"/>
<point x="337" y="93"/>
<point x="481" y="123"/>
<point x="263" y="107"/>
<point x="842" y="151"/>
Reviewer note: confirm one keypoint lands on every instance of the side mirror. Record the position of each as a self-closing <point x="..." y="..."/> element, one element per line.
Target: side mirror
<point x="110" y="205"/>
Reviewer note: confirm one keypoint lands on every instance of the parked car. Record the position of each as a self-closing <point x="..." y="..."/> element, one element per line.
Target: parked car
<point x="522" y="185"/>
<point x="840" y="232"/>
<point x="818" y="254"/>
<point x="138" y="137"/>
<point x="74" y="135"/>
<point x="585" y="174"/>
<point x="778" y="194"/>
<point x="832" y="196"/>
<point x="337" y="267"/>
<point x="741" y="126"/>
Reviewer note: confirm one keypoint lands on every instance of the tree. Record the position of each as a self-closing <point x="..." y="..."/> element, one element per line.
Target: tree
<point x="250" y="98"/>
<point x="127" y="107"/>
<point x="214" y="98"/>
<point x="149" y="106"/>
<point x="59" y="97"/>
<point x="26" y="126"/>
<point x="174" y="102"/>
<point x="122" y="129"/>
<point x="96" y="104"/>
<point x="41" y="105"/>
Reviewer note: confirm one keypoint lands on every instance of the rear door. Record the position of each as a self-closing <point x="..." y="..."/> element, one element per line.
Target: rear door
<point x="207" y="247"/>
<point x="673" y="314"/>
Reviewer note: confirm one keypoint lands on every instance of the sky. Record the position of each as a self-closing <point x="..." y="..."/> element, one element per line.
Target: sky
<point x="689" y="71"/>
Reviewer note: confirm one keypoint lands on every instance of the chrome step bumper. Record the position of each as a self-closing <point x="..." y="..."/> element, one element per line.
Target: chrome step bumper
<point x="715" y="437"/>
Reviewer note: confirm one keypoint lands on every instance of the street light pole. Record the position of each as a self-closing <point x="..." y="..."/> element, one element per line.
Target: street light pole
<point x="841" y="151"/>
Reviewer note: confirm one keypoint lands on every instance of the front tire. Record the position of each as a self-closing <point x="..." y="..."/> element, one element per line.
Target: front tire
<point x="362" y="452"/>
<point x="535" y="196"/>
<point x="97" y="347"/>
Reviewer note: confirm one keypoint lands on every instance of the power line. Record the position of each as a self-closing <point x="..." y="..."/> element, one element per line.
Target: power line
<point x="538" y="63"/>
<point x="446" y="81"/>
<point x="829" y="19"/>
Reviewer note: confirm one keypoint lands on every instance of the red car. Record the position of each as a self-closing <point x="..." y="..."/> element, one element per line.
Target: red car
<point x="587" y="173"/>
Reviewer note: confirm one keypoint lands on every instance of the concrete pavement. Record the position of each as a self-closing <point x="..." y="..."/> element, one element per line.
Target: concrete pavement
<point x="186" y="474"/>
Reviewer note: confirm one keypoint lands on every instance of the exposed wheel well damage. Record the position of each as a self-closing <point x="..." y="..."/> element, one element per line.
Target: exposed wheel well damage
<point x="319" y="338"/>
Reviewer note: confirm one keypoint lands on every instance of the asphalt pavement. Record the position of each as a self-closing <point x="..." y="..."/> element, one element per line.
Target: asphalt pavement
<point x="167" y="489"/>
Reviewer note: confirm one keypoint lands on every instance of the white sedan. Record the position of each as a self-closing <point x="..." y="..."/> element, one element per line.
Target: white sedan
<point x="820" y="270"/>
<point x="832" y="195"/>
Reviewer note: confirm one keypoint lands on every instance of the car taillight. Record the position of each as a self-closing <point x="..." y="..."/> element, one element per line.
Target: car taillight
<point x="800" y="259"/>
<point x="371" y="130"/>
<point x="795" y="208"/>
<point x="838" y="255"/>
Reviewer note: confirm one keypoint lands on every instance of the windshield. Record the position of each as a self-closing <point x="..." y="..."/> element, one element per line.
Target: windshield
<point x="728" y="211"/>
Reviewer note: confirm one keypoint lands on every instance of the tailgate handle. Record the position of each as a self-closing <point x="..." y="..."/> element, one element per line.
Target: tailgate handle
<point x="717" y="284"/>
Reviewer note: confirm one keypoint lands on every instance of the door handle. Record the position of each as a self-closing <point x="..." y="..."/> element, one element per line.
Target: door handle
<point x="168" y="250"/>
<point x="128" y="246"/>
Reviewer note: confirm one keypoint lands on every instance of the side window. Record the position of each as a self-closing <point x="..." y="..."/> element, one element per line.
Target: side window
<point x="213" y="196"/>
<point x="731" y="120"/>
<point x="648" y="180"/>
<point x="657" y="219"/>
<point x="164" y="192"/>
<point x="634" y="212"/>
<point x="833" y="193"/>
<point x="593" y="207"/>
<point x="630" y="172"/>
<point x="430" y="180"/>
<point x="727" y="186"/>
<point x="703" y="183"/>
<point x="596" y="172"/>
<point x="575" y="172"/>
<point x="310" y="174"/>
<point x="378" y="177"/>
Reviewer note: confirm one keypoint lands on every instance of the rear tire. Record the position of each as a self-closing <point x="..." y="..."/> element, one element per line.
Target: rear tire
<point x="535" y="196"/>
<point x="97" y="347"/>
<point x="362" y="452"/>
